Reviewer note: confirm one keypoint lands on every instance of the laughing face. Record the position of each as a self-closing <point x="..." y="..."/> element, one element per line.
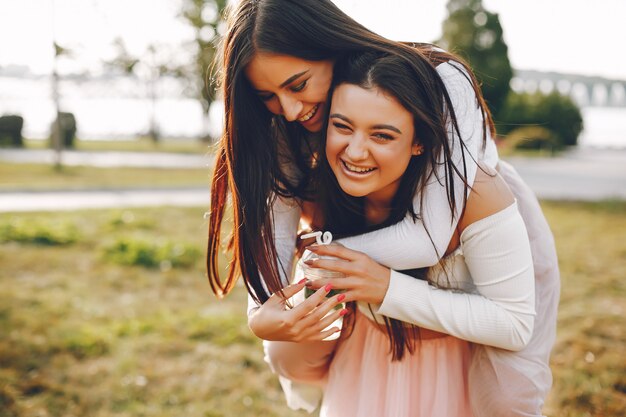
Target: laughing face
<point x="370" y="142"/>
<point x="292" y="87"/>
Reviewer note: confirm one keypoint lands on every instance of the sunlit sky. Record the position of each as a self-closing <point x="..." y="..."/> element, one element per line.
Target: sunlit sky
<point x="572" y="36"/>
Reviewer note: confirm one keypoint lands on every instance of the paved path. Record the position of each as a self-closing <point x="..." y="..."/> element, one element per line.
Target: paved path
<point x="97" y="199"/>
<point x="107" y="159"/>
<point x="582" y="174"/>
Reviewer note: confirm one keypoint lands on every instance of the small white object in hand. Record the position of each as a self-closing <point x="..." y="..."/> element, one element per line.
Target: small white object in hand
<point x="320" y="238"/>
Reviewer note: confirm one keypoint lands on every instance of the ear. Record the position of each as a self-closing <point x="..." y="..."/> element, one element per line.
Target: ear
<point x="417" y="149"/>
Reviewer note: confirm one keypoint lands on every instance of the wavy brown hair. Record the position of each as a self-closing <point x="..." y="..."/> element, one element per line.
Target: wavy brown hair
<point x="255" y="142"/>
<point x="345" y="215"/>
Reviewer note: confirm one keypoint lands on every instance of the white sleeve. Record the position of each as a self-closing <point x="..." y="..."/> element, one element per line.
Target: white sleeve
<point x="285" y="219"/>
<point x="497" y="254"/>
<point x="388" y="246"/>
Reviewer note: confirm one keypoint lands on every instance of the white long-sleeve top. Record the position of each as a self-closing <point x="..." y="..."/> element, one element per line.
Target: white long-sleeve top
<point x="437" y="222"/>
<point x="486" y="288"/>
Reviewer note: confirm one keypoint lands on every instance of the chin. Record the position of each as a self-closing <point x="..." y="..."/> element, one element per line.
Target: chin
<point x="354" y="191"/>
<point x="313" y="129"/>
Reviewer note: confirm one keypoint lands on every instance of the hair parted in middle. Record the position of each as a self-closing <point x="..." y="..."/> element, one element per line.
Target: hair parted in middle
<point x="257" y="145"/>
<point x="345" y="215"/>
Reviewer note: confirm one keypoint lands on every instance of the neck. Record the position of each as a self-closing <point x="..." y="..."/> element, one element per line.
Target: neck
<point x="377" y="211"/>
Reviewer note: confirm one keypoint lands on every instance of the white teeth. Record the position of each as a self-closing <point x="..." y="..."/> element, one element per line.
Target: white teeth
<point x="310" y="114"/>
<point x="355" y="168"/>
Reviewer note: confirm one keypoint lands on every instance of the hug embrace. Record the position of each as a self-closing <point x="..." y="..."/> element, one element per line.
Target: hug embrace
<point x="447" y="281"/>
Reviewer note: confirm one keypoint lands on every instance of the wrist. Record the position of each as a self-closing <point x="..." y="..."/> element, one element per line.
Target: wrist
<point x="385" y="275"/>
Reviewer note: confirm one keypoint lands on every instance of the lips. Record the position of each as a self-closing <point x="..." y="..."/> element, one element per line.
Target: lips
<point x="356" y="169"/>
<point x="310" y="114"/>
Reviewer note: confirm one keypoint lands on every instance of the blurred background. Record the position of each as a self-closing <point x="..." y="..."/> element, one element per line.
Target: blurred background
<point x="125" y="69"/>
<point x="108" y="114"/>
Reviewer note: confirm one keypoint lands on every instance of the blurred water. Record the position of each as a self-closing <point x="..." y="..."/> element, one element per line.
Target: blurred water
<point x="108" y="108"/>
<point x="117" y="108"/>
<point x="604" y="127"/>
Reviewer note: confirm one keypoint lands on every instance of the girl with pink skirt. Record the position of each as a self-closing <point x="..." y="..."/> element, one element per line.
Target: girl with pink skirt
<point x="278" y="58"/>
<point x="383" y="364"/>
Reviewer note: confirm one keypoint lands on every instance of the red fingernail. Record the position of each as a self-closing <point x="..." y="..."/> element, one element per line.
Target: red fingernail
<point x="302" y="281"/>
<point x="328" y="287"/>
<point x="343" y="312"/>
<point x="341" y="297"/>
<point x="308" y="262"/>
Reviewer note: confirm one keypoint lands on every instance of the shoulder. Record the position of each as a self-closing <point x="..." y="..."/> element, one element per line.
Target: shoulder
<point x="489" y="195"/>
<point x="454" y="74"/>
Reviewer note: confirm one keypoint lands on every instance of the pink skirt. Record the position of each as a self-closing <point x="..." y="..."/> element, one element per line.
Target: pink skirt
<point x="364" y="382"/>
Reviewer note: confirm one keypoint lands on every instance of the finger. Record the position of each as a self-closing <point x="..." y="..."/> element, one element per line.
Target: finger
<point x="345" y="283"/>
<point x="308" y="305"/>
<point x="287" y="292"/>
<point x="312" y="319"/>
<point x="326" y="333"/>
<point x="330" y="318"/>
<point x="335" y="250"/>
<point x="338" y="265"/>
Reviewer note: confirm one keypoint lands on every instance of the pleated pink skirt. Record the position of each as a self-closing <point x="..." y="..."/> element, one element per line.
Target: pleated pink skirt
<point x="364" y="382"/>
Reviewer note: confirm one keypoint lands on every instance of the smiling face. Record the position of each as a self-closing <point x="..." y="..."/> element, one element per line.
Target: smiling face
<point x="370" y="142"/>
<point x="292" y="87"/>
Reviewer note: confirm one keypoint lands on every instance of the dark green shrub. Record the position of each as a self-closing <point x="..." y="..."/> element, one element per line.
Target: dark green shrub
<point x="150" y="254"/>
<point x="38" y="232"/>
<point x="67" y="130"/>
<point x="557" y="113"/>
<point x="11" y="131"/>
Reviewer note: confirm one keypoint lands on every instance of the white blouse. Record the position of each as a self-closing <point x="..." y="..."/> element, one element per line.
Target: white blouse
<point x="486" y="288"/>
<point x="437" y="222"/>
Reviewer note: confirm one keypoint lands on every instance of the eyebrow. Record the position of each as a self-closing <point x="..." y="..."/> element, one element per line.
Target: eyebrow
<point x="293" y="78"/>
<point x="383" y="126"/>
<point x="286" y="82"/>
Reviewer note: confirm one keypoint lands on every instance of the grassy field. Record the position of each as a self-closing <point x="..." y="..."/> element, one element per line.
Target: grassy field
<point x="107" y="313"/>
<point x="142" y="144"/>
<point x="45" y="178"/>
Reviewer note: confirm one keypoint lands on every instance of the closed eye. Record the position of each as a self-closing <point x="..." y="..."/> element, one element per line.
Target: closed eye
<point x="266" y="97"/>
<point x="383" y="136"/>
<point x="299" y="87"/>
<point x="341" y="126"/>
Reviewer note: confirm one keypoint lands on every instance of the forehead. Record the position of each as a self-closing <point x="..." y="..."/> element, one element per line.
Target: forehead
<point x="369" y="106"/>
<point x="271" y="70"/>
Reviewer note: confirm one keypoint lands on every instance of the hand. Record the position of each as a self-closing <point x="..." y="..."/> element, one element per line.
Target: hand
<point x="365" y="279"/>
<point x="304" y="322"/>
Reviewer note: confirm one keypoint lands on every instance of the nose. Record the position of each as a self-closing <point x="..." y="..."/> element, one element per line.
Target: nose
<point x="357" y="148"/>
<point x="291" y="107"/>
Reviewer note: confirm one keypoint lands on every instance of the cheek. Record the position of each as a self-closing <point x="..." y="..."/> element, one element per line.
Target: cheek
<point x="273" y="106"/>
<point x="319" y="92"/>
<point x="395" y="162"/>
<point x="333" y="148"/>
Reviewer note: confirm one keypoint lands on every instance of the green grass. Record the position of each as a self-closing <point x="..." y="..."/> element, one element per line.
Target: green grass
<point x="81" y="334"/>
<point x="141" y="144"/>
<point x="588" y="359"/>
<point x="45" y="178"/>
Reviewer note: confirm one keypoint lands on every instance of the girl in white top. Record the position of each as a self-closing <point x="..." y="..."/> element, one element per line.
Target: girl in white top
<point x="373" y="164"/>
<point x="278" y="55"/>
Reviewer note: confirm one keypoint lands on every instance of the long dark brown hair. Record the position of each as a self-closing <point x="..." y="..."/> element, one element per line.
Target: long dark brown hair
<point x="344" y="215"/>
<point x="248" y="157"/>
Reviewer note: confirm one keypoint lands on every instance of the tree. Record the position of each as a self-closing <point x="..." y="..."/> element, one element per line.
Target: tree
<point x="476" y="35"/>
<point x="205" y="16"/>
<point x="553" y="112"/>
<point x="155" y="62"/>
